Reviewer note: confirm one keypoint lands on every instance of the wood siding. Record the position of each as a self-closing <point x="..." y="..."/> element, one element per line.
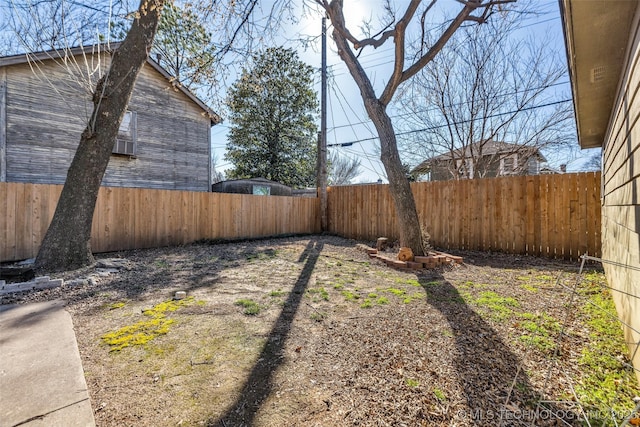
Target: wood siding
<point x="48" y="106"/>
<point x="621" y="194"/>
<point x="556" y="216"/>
<point x="129" y="218"/>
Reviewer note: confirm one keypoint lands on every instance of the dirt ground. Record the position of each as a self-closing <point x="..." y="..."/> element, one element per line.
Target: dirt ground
<point x="309" y="331"/>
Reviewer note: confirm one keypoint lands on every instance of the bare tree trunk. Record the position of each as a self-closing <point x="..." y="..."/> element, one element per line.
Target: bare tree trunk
<point x="403" y="200"/>
<point x="67" y="243"/>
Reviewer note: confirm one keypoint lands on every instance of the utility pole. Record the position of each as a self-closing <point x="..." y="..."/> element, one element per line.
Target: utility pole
<point x="322" y="137"/>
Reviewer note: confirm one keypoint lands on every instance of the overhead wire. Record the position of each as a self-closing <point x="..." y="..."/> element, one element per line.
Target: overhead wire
<point x="462" y="121"/>
<point x="334" y="87"/>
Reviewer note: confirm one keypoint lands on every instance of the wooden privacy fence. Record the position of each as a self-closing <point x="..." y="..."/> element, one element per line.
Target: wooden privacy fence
<point x="129" y="218"/>
<point x="555" y="216"/>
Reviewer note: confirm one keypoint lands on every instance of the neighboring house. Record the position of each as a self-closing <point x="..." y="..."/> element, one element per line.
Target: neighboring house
<point x="482" y="160"/>
<point x="45" y="104"/>
<point x="603" y="50"/>
<point x="257" y="186"/>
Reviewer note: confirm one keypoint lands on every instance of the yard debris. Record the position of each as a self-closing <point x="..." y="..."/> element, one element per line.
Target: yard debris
<point x="401" y="261"/>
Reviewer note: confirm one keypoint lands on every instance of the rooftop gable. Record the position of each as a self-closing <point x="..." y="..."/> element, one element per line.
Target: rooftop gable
<point x="96" y="49"/>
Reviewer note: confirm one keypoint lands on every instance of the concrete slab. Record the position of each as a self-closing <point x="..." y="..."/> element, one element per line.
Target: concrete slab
<point x="41" y="378"/>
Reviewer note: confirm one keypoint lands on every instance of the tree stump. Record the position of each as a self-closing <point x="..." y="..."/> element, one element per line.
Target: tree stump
<point x="405" y="254"/>
<point x="381" y="244"/>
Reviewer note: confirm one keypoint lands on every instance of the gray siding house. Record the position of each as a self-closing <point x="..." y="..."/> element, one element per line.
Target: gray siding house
<point x="45" y="103"/>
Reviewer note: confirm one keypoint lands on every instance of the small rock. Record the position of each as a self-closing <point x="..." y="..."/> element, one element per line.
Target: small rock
<point x="180" y="295"/>
<point x="29" y="261"/>
<point x="104" y="272"/>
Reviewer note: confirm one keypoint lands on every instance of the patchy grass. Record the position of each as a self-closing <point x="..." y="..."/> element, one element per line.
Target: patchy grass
<point x="350" y="296"/>
<point x="116" y="305"/>
<point x="608" y="381"/>
<point x="539" y="331"/>
<point x="366" y="303"/>
<point x="251" y="308"/>
<point x="411" y="382"/>
<point x="382" y="301"/>
<point x="439" y="394"/>
<point x="410" y="282"/>
<point x="318" y="294"/>
<point x="262" y="255"/>
<point x="499" y="307"/>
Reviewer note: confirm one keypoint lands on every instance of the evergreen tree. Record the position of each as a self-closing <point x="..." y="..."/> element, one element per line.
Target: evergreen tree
<point x="272" y="116"/>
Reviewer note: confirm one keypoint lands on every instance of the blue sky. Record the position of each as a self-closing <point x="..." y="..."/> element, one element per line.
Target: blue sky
<point x="347" y="120"/>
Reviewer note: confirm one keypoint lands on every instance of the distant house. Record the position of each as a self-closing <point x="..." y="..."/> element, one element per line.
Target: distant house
<point x="482" y="160"/>
<point x="45" y="104"/>
<point x="603" y="50"/>
<point x="256" y="186"/>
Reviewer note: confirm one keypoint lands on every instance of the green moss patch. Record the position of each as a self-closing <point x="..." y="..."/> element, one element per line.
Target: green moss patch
<point x="140" y="333"/>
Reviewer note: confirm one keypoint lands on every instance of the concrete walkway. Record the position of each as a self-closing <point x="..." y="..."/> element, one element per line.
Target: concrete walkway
<point x="41" y="378"/>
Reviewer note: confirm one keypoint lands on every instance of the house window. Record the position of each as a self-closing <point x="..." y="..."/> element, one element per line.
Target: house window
<point x="127" y="135"/>
<point x="461" y="165"/>
<point x="508" y="165"/>
<point x="261" y="190"/>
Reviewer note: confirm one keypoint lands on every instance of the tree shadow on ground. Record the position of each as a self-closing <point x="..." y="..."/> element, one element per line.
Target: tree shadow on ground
<point x="259" y="384"/>
<point x="495" y="384"/>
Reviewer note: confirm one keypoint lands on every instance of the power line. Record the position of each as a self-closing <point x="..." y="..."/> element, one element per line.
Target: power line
<point x="426" y="110"/>
<point x="462" y="121"/>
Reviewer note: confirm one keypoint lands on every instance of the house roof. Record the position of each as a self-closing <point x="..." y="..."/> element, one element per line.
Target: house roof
<point x="596" y="35"/>
<point x="489" y="148"/>
<point x="94" y="49"/>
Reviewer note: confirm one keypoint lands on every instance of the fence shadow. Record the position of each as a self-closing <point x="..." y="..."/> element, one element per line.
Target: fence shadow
<point x="496" y="386"/>
<point x="259" y="384"/>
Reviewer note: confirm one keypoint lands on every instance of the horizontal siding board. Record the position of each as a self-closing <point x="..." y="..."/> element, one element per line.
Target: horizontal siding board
<point x="620" y="220"/>
<point x="49" y="108"/>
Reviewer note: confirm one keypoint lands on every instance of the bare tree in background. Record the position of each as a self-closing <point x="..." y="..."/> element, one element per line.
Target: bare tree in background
<point x="431" y="41"/>
<point x="342" y="170"/>
<point x="32" y="26"/>
<point x="594" y="163"/>
<point x="486" y="88"/>
<point x="216" y="175"/>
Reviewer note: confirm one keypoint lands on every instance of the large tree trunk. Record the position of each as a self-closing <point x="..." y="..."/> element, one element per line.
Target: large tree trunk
<point x="404" y="203"/>
<point x="67" y="243"/>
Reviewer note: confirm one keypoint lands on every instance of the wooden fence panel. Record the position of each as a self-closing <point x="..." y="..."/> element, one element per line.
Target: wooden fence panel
<point x="555" y="216"/>
<point x="549" y="215"/>
<point x="130" y="218"/>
